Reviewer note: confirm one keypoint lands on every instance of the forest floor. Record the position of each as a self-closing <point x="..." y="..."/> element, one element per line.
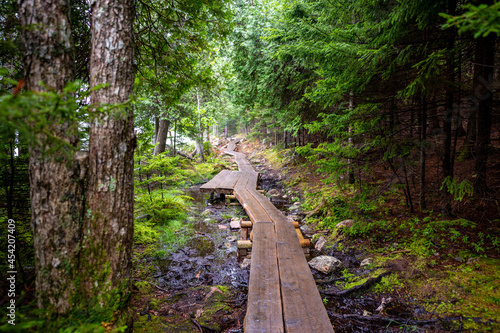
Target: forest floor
<point x="402" y="287"/>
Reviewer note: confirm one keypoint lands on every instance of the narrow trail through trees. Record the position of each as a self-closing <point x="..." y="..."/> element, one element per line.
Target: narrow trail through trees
<point x="282" y="294"/>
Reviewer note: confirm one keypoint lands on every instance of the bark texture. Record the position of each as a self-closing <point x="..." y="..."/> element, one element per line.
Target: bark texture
<point x="55" y="181"/>
<point x="483" y="90"/>
<point x="161" y="138"/>
<point x="109" y="213"/>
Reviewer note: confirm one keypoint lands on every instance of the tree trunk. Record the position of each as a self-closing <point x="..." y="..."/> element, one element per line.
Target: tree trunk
<point x="56" y="187"/>
<point x="483" y="90"/>
<point x="161" y="141"/>
<point x="350" y="173"/>
<point x="157" y="128"/>
<point x="423" y="155"/>
<point x="447" y="169"/>
<point x="199" y="139"/>
<point x="109" y="220"/>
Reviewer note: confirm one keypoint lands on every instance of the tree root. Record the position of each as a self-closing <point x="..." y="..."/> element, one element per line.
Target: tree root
<point x="364" y="286"/>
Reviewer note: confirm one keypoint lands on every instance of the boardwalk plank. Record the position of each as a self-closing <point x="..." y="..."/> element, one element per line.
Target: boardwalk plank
<point x="301" y="314"/>
<point x="226" y="186"/>
<point x="253" y="209"/>
<point x="264" y="311"/>
<point x="282" y="294"/>
<point x="214" y="182"/>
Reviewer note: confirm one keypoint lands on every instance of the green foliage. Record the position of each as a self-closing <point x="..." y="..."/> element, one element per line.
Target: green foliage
<point x="458" y="190"/>
<point x="481" y="20"/>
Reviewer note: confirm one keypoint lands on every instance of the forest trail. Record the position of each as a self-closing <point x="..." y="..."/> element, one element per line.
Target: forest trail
<point x="282" y="294"/>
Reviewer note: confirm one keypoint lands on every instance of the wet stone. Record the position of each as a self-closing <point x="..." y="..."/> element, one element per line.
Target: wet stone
<point x="320" y="244"/>
<point x="273" y="193"/>
<point x="326" y="264"/>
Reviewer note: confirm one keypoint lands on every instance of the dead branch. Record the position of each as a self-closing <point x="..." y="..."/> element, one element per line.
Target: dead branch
<point x="361" y="287"/>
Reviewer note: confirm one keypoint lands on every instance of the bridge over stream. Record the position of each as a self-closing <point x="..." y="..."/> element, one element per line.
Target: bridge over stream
<point x="282" y="294"/>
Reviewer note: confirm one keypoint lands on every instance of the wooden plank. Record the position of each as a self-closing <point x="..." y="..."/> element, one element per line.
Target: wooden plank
<point x="301" y="314"/>
<point x="253" y="209"/>
<point x="243" y="180"/>
<point x="212" y="184"/>
<point x="227" y="185"/>
<point x="264" y="310"/>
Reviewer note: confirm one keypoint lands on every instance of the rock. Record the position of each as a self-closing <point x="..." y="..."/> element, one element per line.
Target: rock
<point x="207" y="220"/>
<point x="366" y="262"/>
<point x="306" y="229"/>
<point x="320" y="244"/>
<point x="295" y="206"/>
<point x="292" y="217"/>
<point x="273" y="193"/>
<point x="326" y="264"/>
<point x="232" y="239"/>
<point x="345" y="224"/>
<point x="206" y="212"/>
<point x="235" y="223"/>
<point x="246" y="263"/>
<point x="366" y="313"/>
<point x="227" y="246"/>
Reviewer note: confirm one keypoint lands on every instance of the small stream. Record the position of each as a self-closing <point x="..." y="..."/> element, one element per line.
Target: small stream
<point x="210" y="259"/>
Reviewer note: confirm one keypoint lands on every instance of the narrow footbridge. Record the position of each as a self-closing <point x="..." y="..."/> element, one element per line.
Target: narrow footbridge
<point x="282" y="294"/>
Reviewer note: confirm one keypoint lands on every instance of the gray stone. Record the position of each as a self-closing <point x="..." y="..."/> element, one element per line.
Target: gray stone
<point x="345" y="224"/>
<point x="227" y="246"/>
<point x="232" y="239"/>
<point x="246" y="263"/>
<point x="273" y="193"/>
<point x="235" y="223"/>
<point x="295" y="206"/>
<point x="207" y="220"/>
<point x="320" y="244"/>
<point x="306" y="229"/>
<point x="366" y="262"/>
<point x="326" y="264"/>
<point x="206" y="212"/>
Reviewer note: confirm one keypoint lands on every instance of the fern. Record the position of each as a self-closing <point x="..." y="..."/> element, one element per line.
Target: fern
<point x="458" y="190"/>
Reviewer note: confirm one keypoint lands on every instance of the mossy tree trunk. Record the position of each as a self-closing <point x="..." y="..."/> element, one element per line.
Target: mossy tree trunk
<point x="109" y="220"/>
<point x="55" y="182"/>
<point x="82" y="236"/>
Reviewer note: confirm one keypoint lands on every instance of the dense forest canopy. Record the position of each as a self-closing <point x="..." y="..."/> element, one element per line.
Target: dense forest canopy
<point x="379" y="95"/>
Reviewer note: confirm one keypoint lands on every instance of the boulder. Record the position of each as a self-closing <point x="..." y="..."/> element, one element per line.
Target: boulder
<point x="345" y="224"/>
<point x="326" y="264"/>
<point x="320" y="244"/>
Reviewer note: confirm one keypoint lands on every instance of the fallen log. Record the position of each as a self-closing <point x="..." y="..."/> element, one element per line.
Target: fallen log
<point x="361" y="287"/>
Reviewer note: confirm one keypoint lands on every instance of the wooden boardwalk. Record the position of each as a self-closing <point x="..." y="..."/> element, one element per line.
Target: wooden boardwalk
<point x="282" y="294"/>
